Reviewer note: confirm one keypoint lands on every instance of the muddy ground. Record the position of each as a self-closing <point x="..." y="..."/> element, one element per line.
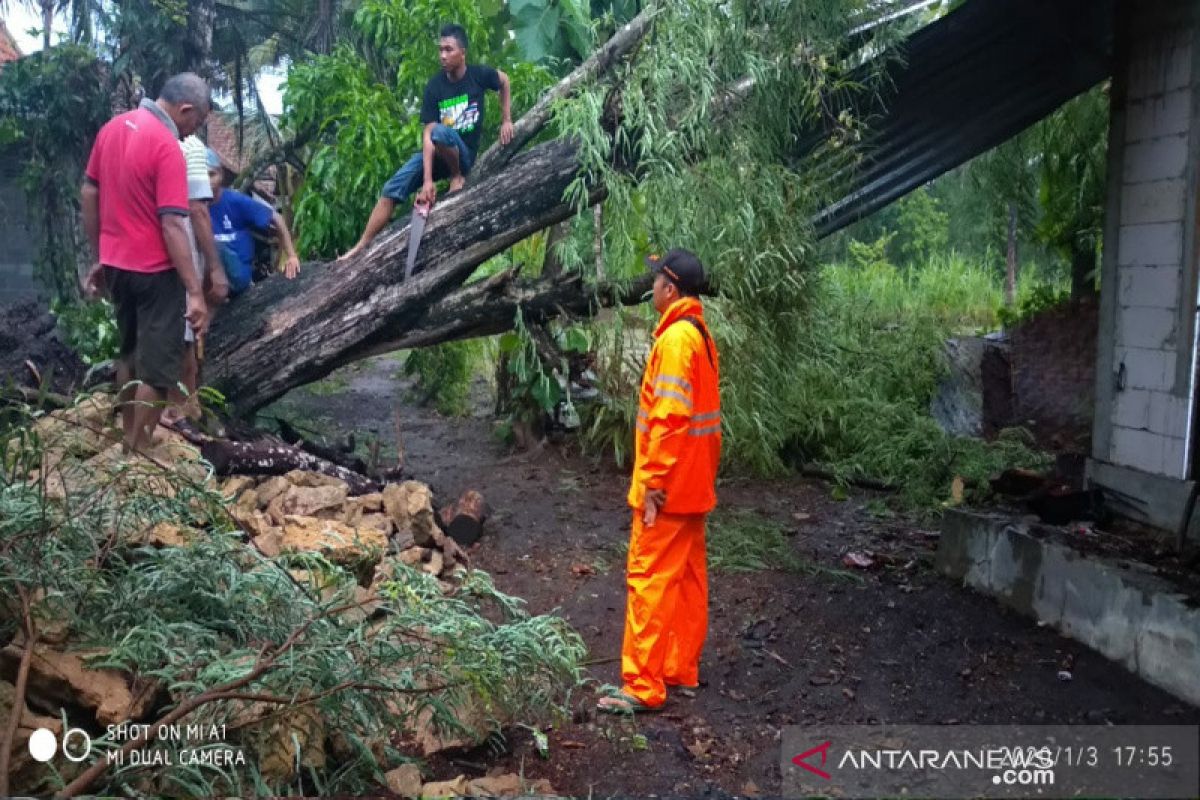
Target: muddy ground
<point x="33" y="350"/>
<point x="894" y="644"/>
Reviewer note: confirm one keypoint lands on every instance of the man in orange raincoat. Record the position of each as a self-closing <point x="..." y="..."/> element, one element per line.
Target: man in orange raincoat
<point x="677" y="449"/>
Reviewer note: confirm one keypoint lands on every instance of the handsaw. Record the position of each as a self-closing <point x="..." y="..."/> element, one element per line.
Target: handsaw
<point x="416" y="228"/>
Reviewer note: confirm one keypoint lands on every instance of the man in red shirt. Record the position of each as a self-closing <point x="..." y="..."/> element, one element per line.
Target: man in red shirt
<point x="135" y="211"/>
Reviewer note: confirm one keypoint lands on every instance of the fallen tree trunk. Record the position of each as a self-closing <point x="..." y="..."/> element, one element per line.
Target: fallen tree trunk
<point x="488" y="307"/>
<point x="266" y="458"/>
<point x="284" y="334"/>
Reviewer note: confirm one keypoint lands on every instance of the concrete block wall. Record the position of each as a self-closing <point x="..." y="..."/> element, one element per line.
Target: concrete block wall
<point x="16" y="243"/>
<point x="1149" y="228"/>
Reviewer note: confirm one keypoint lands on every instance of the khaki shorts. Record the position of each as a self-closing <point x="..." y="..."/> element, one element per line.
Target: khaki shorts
<point x="150" y="308"/>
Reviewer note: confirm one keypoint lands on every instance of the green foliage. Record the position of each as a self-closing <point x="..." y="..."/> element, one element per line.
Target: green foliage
<point x="922" y="228"/>
<point x="854" y="392"/>
<point x="360" y="106"/>
<point x="443" y="375"/>
<point x="153" y="40"/>
<point x="196" y="617"/>
<point x="51" y="106"/>
<point x="1041" y="297"/>
<point x="90" y="329"/>
<point x="530" y="385"/>
<point x="608" y="425"/>
<point x="1071" y="189"/>
<point x="366" y="133"/>
<point x="549" y="30"/>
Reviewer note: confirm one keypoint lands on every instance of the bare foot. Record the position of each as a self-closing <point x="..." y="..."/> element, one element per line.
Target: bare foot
<point x="457" y="182"/>
<point x="351" y="253"/>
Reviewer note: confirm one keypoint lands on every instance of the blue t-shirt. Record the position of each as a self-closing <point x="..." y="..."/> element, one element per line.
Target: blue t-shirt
<point x="233" y="216"/>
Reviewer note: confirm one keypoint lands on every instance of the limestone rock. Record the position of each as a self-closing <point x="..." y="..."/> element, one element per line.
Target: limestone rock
<point x="247" y="500"/>
<point x="304" y="501"/>
<point x="413" y="556"/>
<point x="367" y="602"/>
<point x="271" y="488"/>
<point x="459" y="787"/>
<point x="508" y="784"/>
<point x="405" y="781"/>
<point x="254" y="523"/>
<point x="57" y="679"/>
<point x="313" y="480"/>
<point x="435" y="563"/>
<point x="380" y="522"/>
<point x="371" y="503"/>
<point x="166" y="534"/>
<point x="302" y="727"/>
<point x="26" y="775"/>
<point x="339" y="543"/>
<point x="410" y="505"/>
<point x="235" y="486"/>
<point x="52" y="615"/>
<point x="270" y="542"/>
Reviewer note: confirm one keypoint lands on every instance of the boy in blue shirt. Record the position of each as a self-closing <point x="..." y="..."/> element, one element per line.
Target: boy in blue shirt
<point x="234" y="215"/>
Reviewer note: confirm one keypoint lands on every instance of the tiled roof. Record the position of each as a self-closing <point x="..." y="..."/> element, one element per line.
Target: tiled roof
<point x="223" y="138"/>
<point x="8" y="46"/>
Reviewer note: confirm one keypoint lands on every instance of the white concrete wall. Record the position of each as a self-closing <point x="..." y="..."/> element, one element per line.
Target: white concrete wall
<point x="1152" y="349"/>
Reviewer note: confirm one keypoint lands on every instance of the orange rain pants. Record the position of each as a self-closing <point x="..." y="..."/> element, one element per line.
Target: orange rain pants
<point x="666" y="617"/>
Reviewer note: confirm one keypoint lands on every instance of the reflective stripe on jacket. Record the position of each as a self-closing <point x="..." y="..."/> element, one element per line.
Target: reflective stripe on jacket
<point x="678" y="442"/>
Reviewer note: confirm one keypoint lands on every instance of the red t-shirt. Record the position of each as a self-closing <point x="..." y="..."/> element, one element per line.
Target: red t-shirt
<point x="139" y="168"/>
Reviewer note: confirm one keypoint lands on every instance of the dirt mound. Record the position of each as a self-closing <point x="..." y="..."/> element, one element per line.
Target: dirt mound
<point x="29" y="332"/>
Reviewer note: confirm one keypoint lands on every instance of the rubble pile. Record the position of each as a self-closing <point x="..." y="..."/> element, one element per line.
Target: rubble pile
<point x="298" y="512"/>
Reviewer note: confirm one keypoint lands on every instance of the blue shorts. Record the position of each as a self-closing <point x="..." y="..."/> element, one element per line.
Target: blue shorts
<point x="409" y="178"/>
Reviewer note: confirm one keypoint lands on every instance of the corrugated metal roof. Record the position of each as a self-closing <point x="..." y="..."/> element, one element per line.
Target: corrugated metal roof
<point x="964" y="84"/>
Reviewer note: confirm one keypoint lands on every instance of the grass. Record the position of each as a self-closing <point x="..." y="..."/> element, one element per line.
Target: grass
<point x="337" y="383"/>
<point x="862" y="363"/>
<point x="746" y="541"/>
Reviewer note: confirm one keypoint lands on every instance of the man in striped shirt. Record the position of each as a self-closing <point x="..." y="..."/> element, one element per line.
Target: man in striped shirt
<point x="208" y="266"/>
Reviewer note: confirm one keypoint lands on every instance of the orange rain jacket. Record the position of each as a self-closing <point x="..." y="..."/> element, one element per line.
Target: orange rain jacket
<point x="678" y="442"/>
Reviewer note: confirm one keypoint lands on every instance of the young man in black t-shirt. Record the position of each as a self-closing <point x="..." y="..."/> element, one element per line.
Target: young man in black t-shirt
<point x="452" y="113"/>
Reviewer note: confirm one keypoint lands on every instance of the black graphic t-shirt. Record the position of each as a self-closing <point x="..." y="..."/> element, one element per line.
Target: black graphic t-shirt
<point x="459" y="104"/>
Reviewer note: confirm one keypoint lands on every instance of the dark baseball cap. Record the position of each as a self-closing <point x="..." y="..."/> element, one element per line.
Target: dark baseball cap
<point x="682" y="268"/>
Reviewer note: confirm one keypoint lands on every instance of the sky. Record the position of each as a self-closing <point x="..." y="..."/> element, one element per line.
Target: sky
<point x="20" y="19"/>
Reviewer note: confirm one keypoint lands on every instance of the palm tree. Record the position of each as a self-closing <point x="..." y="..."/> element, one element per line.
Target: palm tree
<point x="81" y="14"/>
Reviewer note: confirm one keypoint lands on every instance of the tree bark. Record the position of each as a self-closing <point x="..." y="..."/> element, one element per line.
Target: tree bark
<point x="533" y="121"/>
<point x="265" y="458"/>
<point x="201" y="17"/>
<point x="47" y="22"/>
<point x="463" y="520"/>
<point x="1010" y="275"/>
<point x="284" y="334"/>
<point x="1083" y="263"/>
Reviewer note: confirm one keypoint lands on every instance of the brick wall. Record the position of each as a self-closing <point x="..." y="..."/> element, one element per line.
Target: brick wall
<point x="1052" y="359"/>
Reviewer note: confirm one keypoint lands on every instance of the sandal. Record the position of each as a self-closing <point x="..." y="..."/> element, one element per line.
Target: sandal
<point x="621" y="703"/>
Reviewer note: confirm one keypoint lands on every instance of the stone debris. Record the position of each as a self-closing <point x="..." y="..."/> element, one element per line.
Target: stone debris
<point x="370" y="535"/>
<point x="58" y="678"/>
<point x="495" y="784"/>
<point x="310" y="512"/>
